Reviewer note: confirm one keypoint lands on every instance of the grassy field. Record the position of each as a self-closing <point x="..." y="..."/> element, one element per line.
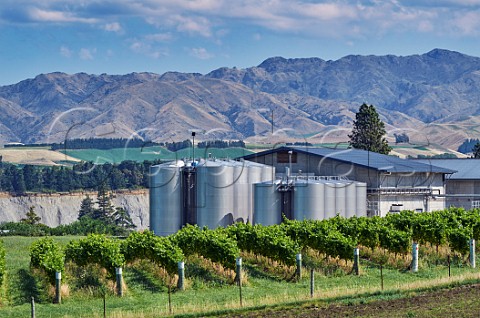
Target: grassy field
<point x="36" y="156"/>
<point x="151" y="153"/>
<point x="208" y="293"/>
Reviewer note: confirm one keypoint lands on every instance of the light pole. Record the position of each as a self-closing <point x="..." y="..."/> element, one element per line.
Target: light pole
<point x="193" y="147"/>
<point x="289" y="162"/>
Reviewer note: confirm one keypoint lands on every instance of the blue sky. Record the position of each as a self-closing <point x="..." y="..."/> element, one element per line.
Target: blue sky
<point x="124" y="36"/>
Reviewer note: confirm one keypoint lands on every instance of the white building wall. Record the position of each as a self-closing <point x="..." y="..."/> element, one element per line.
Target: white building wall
<point x="460" y="190"/>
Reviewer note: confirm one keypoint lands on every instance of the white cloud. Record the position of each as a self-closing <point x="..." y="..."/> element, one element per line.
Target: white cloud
<point x="192" y="25"/>
<point x="467" y="24"/>
<point x="113" y="27"/>
<point x="326" y="11"/>
<point x="425" y="26"/>
<point x="201" y="53"/>
<point x="41" y="15"/>
<point x="213" y="19"/>
<point x="86" y="54"/>
<point x="146" y="48"/>
<point x="65" y="51"/>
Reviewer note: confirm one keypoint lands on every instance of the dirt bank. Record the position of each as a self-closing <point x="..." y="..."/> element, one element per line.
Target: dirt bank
<point x="62" y="208"/>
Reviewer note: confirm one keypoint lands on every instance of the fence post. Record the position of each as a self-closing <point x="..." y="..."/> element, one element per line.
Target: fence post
<point x="104" y="305"/>
<point x="381" y="276"/>
<point x="472" y="253"/>
<point x="415" y="257"/>
<point x="299" y="265"/>
<point x="181" y="276"/>
<point x="449" y="266"/>
<point x="169" y="299"/>
<point x="58" y="287"/>
<point x="118" y="272"/>
<point x="356" y="261"/>
<point x="33" y="307"/>
<point x="312" y="282"/>
<point x="239" y="278"/>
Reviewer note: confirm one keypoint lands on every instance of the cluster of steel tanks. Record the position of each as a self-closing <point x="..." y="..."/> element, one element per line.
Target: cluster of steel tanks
<point x="215" y="193"/>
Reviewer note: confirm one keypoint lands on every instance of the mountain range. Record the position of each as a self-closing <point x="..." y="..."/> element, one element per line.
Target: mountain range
<point x="432" y="97"/>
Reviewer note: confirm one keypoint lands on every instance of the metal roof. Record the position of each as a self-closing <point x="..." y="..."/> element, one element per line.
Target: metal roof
<point x="466" y="169"/>
<point x="363" y="158"/>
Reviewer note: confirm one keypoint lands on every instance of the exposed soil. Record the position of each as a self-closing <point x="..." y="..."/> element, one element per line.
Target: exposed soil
<point x="458" y="302"/>
<point x="34" y="156"/>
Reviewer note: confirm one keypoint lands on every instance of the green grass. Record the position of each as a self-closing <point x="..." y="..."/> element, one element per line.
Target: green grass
<point x="118" y="155"/>
<point x="147" y="297"/>
<point x="339" y="145"/>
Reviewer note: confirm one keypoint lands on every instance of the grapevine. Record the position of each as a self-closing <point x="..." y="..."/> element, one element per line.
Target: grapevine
<point x="160" y="250"/>
<point x="47" y="255"/>
<point x="269" y="241"/>
<point x="214" y="245"/>
<point x="96" y="249"/>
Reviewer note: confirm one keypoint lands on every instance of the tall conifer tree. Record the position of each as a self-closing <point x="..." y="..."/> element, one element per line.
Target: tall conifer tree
<point x="368" y="131"/>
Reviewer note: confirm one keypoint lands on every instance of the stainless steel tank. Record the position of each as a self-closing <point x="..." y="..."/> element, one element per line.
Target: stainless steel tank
<point x="254" y="176"/>
<point x="268" y="173"/>
<point x="340" y="198"/>
<point x="215" y="191"/>
<point x="267" y="204"/>
<point x="165" y="198"/>
<point x="361" y="199"/>
<point x="350" y="199"/>
<point x="242" y="207"/>
<point x="329" y="200"/>
<point x="308" y="200"/>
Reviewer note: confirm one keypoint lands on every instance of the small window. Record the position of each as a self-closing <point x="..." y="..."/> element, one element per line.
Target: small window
<point x="475" y="204"/>
<point x="284" y="157"/>
<point x="418" y="210"/>
<point x="396" y="208"/>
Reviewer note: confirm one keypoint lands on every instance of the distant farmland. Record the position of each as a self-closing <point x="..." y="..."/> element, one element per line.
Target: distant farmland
<point x="151" y="153"/>
<point x="36" y="156"/>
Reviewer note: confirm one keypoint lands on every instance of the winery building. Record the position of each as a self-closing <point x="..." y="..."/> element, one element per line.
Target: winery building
<point x="393" y="184"/>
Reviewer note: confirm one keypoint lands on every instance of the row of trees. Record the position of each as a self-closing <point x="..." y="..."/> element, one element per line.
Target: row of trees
<point x="102" y="143"/>
<point x="221" y="144"/>
<point x="29" y="178"/>
<point x="113" y="143"/>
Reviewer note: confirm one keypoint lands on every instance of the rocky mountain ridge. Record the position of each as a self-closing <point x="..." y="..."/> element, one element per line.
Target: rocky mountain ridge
<point x="432" y="97"/>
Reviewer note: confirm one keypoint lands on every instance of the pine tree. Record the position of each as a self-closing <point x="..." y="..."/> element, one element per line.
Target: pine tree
<point x="105" y="208"/>
<point x="86" y="208"/>
<point x="476" y="151"/>
<point x="31" y="217"/>
<point x="122" y="218"/>
<point x="368" y="131"/>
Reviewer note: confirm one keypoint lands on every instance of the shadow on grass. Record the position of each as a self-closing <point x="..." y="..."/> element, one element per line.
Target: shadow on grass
<point x="145" y="280"/>
<point x="27" y="288"/>
<point x="193" y="270"/>
<point x="256" y="272"/>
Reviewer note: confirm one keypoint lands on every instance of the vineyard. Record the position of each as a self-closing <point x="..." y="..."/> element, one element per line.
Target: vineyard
<point x="117" y="155"/>
<point x="91" y="267"/>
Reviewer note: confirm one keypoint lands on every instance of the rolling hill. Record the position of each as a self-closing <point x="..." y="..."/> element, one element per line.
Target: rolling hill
<point x="433" y="97"/>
